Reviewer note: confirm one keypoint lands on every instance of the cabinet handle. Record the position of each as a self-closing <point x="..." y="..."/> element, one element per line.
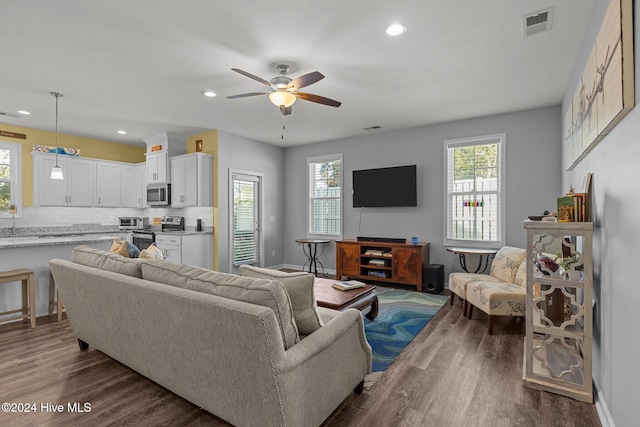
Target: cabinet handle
<point x="69" y="198"/>
<point x="98" y="199"/>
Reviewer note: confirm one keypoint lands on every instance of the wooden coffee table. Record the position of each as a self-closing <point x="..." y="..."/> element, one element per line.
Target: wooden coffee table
<point x="360" y="298"/>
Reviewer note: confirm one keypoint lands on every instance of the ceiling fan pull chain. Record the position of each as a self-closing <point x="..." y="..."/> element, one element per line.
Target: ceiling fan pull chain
<point x="283" y="127"/>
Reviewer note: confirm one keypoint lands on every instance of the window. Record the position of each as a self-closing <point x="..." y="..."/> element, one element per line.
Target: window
<point x="475" y="175"/>
<point x="10" y="178"/>
<point x="325" y="195"/>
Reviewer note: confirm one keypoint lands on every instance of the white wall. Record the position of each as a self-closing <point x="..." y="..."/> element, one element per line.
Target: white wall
<point x="239" y="153"/>
<point x="533" y="150"/>
<point x="614" y="164"/>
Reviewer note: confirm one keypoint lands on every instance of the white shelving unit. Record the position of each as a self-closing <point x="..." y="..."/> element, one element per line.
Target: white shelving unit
<point x="558" y="343"/>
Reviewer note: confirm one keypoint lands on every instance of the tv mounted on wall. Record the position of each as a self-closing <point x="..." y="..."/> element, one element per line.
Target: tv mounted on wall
<point x="385" y="187"/>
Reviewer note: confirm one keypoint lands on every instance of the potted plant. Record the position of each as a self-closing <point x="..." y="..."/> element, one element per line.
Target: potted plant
<point x="572" y="265"/>
<point x="12" y="209"/>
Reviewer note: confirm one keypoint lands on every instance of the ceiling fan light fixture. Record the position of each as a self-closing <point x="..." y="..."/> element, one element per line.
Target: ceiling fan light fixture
<point x="282" y="98"/>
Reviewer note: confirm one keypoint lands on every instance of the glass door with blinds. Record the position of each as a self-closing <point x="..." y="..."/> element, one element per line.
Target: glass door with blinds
<point x="245" y="220"/>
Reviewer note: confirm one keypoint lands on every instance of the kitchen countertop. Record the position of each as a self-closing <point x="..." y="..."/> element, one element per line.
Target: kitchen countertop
<point x="57" y="239"/>
<point x="183" y="232"/>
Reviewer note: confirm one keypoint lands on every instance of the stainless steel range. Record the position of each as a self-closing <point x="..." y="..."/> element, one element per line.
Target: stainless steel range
<point x="142" y="239"/>
<point x="172" y="223"/>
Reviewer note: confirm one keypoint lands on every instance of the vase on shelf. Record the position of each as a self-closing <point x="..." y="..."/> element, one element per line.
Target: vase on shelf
<point x="573" y="275"/>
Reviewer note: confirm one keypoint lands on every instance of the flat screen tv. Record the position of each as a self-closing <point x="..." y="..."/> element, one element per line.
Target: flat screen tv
<point x="385" y="187"/>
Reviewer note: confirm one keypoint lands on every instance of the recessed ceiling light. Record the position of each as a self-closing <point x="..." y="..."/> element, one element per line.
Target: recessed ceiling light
<point x="209" y="93"/>
<point x="396" y="29"/>
<point x="122" y="132"/>
<point x="25" y="112"/>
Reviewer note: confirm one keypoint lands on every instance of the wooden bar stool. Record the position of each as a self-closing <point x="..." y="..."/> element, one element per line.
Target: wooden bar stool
<point x="28" y="309"/>
<point x="53" y="301"/>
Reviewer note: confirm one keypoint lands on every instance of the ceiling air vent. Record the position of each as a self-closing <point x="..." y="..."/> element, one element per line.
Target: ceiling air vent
<point x="14" y="115"/>
<point x="537" y="22"/>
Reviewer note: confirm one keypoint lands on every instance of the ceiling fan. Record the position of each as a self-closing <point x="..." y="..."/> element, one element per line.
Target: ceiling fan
<point x="284" y="90"/>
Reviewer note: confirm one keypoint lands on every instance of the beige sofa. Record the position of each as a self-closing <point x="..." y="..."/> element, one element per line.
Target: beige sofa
<point x="226" y="343"/>
<point x="502" y="292"/>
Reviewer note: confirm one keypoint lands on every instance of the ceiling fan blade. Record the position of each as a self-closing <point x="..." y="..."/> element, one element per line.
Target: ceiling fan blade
<point x="251" y="76"/>
<point x="286" y="110"/>
<point x="244" y="95"/>
<point x="305" y="80"/>
<point x="318" y="99"/>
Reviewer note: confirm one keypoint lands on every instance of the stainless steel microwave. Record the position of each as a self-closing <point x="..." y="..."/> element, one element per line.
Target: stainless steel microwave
<point x="133" y="223"/>
<point x="159" y="194"/>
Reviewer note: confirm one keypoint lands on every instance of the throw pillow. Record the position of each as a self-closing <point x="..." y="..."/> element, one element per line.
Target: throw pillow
<point x="299" y="286"/>
<point x="134" y="252"/>
<point x="120" y="247"/>
<point x="152" y="252"/>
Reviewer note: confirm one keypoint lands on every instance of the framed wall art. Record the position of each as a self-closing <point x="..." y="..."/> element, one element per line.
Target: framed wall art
<point x="605" y="93"/>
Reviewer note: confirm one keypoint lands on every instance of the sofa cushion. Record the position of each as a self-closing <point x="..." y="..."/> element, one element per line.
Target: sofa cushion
<point x="299" y="286"/>
<point x="498" y="298"/>
<point x="108" y="261"/>
<point x="506" y="262"/>
<point x="458" y="282"/>
<point x="266" y="293"/>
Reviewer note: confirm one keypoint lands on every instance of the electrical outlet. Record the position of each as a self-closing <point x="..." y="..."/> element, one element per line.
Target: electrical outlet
<point x="273" y="253"/>
<point x="58" y="219"/>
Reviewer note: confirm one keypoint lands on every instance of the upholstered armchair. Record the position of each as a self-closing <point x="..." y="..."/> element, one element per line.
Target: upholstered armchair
<point x="504" y="291"/>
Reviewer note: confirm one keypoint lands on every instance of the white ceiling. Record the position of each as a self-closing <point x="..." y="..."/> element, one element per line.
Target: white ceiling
<point x="141" y="65"/>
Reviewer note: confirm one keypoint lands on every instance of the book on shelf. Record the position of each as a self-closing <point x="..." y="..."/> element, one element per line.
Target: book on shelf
<point x="574" y="208"/>
<point x="374" y="252"/>
<point x="349" y="284"/>
<point x="377" y="262"/>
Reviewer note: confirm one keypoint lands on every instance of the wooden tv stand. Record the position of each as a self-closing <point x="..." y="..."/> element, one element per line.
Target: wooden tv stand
<point x="381" y="261"/>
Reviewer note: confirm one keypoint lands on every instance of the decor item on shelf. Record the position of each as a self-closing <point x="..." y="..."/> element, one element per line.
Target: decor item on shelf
<point x="69" y="151"/>
<point x="56" y="171"/>
<point x="12" y="209"/>
<point x="535" y="217"/>
<point x="198" y="145"/>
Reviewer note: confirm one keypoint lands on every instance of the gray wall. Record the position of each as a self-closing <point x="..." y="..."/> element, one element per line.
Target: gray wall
<point x="614" y="164"/>
<point x="533" y="179"/>
<point x="236" y="152"/>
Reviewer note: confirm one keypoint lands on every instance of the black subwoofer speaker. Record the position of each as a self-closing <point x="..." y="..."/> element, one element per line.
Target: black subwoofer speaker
<point x="433" y="278"/>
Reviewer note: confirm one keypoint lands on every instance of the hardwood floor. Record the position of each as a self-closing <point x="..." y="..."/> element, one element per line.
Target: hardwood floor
<point x="452" y="374"/>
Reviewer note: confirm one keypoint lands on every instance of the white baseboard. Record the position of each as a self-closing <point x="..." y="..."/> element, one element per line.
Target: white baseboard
<point x="601" y="406"/>
<point x="299" y="267"/>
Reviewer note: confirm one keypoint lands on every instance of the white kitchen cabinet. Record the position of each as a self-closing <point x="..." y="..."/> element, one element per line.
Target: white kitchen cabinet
<point x="108" y="182"/>
<point x="131" y="187"/>
<point x="77" y="188"/>
<point x="192" y="176"/>
<point x="141" y="183"/>
<point x="158" y="167"/>
<point x="191" y="249"/>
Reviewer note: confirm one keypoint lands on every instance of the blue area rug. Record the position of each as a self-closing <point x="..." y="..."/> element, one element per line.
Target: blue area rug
<point x="401" y="315"/>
